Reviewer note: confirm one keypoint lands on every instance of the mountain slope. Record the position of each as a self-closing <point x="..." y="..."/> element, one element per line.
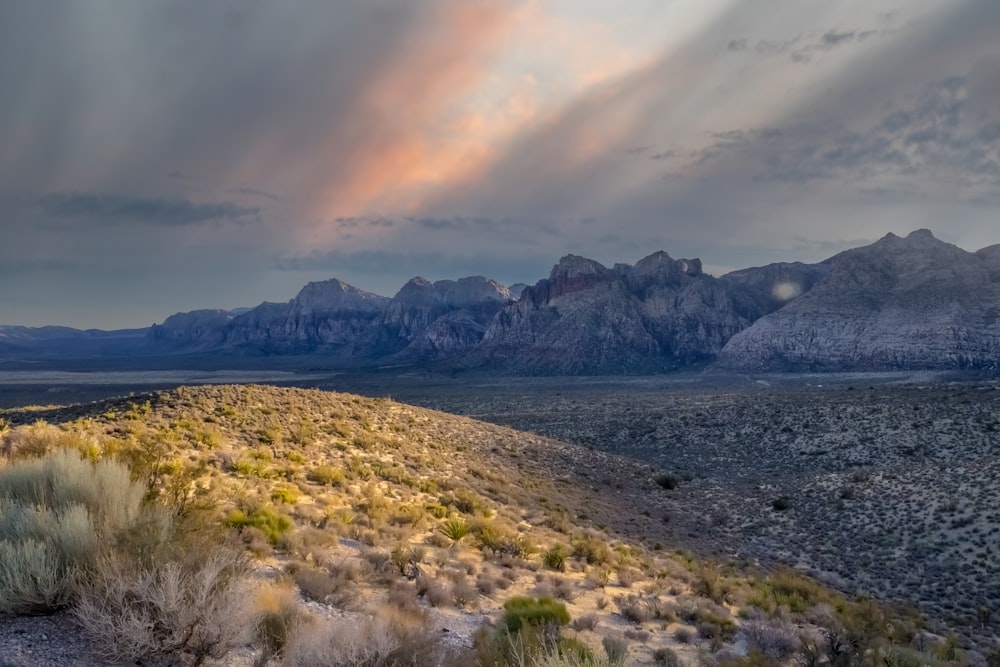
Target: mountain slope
<point x="900" y="303"/>
<point x="429" y="320"/>
<point x="324" y="316"/>
<point x="586" y="318"/>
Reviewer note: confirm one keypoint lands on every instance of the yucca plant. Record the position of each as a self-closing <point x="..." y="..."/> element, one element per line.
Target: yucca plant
<point x="555" y="558"/>
<point x="455" y="529"/>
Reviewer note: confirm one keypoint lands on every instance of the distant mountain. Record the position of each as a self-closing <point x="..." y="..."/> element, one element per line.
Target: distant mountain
<point x="660" y="314"/>
<point x="432" y="320"/>
<point x="424" y="321"/>
<point x="326" y="316"/>
<point x="899" y="303"/>
<point x="913" y="302"/>
<point x="18" y="343"/>
<point x="197" y="328"/>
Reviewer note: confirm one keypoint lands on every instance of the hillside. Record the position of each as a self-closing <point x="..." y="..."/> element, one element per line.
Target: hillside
<point x="367" y="505"/>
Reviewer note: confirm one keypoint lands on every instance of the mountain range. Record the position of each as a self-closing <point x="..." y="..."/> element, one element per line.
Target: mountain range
<point x="911" y="302"/>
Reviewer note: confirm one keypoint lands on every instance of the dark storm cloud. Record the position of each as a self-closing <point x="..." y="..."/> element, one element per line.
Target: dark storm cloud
<point x="664" y="155"/>
<point x="119" y="209"/>
<point x="165" y="126"/>
<point x="802" y="48"/>
<point x="260" y="193"/>
<point x="291" y="97"/>
<point x="935" y="132"/>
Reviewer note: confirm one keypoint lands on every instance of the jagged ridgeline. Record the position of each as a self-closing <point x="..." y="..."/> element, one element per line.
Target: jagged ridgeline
<point x="375" y="526"/>
<point x="898" y="304"/>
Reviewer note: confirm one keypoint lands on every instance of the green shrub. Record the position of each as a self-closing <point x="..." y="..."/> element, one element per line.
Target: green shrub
<point x="273" y="524"/>
<point x="781" y="503"/>
<point x="592" y="550"/>
<point x="436" y="510"/>
<point x="796" y="591"/>
<point x="466" y="501"/>
<point x="286" y="495"/>
<point x="537" y="612"/>
<point x="56" y="513"/>
<point x="326" y="475"/>
<point x="668" y="482"/>
<point x="541" y="646"/>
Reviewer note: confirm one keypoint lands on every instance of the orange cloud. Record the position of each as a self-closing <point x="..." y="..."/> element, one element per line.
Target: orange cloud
<point x="407" y="128"/>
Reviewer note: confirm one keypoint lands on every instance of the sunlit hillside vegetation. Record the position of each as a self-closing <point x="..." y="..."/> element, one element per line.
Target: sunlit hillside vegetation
<point x="258" y="525"/>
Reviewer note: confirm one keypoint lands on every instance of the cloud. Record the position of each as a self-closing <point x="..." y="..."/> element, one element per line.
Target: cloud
<point x="802" y="48"/>
<point x="476" y="133"/>
<point x="341" y="108"/>
<point x="121" y="209"/>
<point x="930" y="135"/>
<point x="260" y="193"/>
<point x="385" y="271"/>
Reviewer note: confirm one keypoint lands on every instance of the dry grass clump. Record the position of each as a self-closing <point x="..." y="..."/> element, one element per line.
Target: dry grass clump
<point x="388" y="638"/>
<point x="333" y="586"/>
<point x="195" y="606"/>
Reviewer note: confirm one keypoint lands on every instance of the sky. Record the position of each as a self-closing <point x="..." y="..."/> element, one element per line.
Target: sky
<point x="158" y="157"/>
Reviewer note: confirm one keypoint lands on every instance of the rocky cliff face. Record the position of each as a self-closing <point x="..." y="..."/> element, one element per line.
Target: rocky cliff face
<point x="423" y="321"/>
<point x="325" y="316"/>
<point x="429" y="320"/>
<point x="197" y="328"/>
<point x="587" y="318"/>
<point x="899" y="303"/>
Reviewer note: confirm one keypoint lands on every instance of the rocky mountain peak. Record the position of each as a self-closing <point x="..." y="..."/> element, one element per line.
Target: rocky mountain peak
<point x="415" y="285"/>
<point x="661" y="263"/>
<point x="474" y="290"/>
<point x="913" y="302"/>
<point x="920" y="239"/>
<point x="574" y="266"/>
<point x="334" y="294"/>
<point x="990" y="253"/>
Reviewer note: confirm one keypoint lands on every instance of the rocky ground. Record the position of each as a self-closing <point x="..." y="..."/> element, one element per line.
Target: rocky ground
<point x="888" y="490"/>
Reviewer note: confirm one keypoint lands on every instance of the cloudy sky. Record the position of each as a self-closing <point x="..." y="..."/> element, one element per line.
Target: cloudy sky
<point x="166" y="156"/>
